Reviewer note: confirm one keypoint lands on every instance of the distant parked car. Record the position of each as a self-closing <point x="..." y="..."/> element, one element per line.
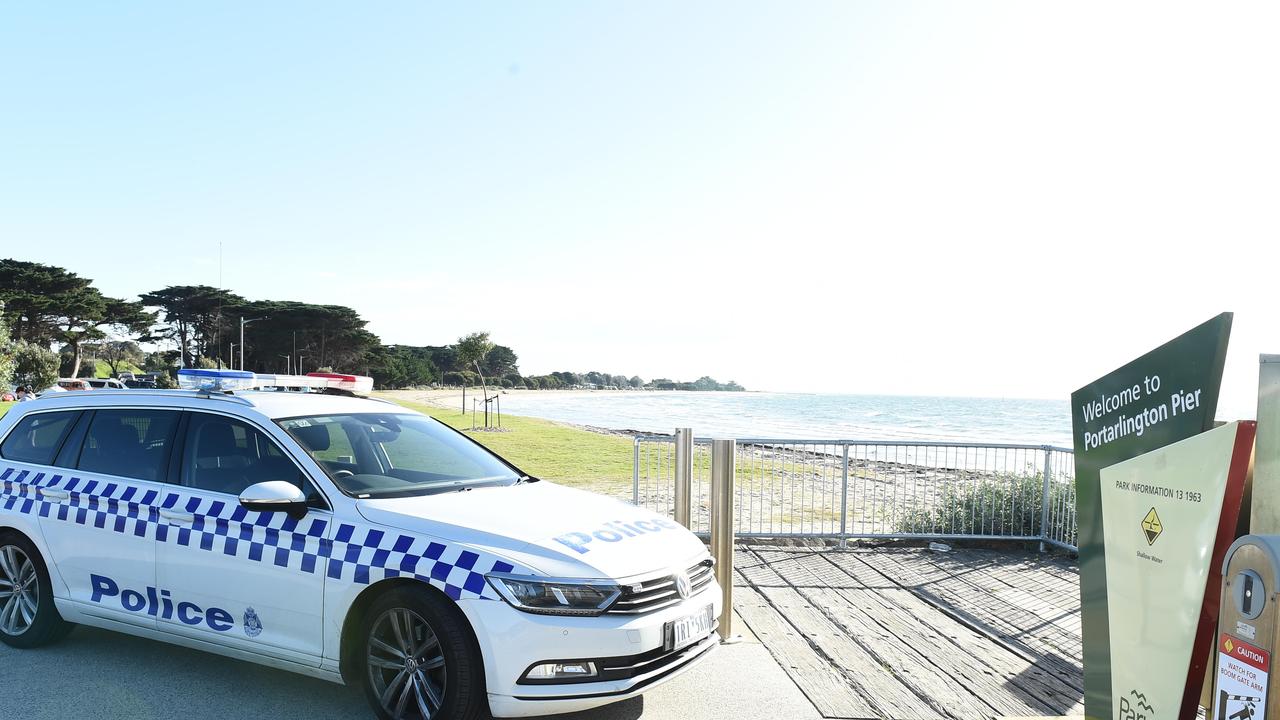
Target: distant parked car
<point x="140" y="384"/>
<point x="74" y="384"/>
<point x="107" y="384"/>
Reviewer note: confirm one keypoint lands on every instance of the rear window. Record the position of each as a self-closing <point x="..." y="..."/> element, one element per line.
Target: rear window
<point x="129" y="443"/>
<point x="37" y="437"/>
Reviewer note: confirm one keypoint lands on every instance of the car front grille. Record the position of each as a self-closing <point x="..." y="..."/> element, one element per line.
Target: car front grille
<point x="659" y="592"/>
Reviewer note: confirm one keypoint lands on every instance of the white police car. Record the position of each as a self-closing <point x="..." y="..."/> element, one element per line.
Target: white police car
<point x="344" y="538"/>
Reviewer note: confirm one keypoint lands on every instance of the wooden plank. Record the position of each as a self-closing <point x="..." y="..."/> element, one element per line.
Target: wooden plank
<point x="1032" y="575"/>
<point x="875" y="673"/>
<point x="1010" y="684"/>
<point x="977" y="677"/>
<point x="814" y="674"/>
<point x="1026" y="628"/>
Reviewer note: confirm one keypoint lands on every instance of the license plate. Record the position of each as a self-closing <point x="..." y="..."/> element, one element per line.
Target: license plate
<point x="689" y="629"/>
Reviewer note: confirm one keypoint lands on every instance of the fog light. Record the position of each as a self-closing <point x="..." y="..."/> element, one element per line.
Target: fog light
<point x="561" y="671"/>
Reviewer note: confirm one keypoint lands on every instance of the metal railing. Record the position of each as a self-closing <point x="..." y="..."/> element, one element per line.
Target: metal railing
<point x="849" y="489"/>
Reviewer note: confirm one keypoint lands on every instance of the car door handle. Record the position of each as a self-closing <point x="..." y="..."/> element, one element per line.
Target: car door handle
<point x="178" y="518"/>
<point x="54" y="495"/>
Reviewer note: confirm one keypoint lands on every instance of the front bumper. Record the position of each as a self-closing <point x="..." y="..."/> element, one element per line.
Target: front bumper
<point x="628" y="649"/>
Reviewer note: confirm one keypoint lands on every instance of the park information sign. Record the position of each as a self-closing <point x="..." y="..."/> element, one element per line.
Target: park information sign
<point x="1167" y="395"/>
<point x="1168" y="518"/>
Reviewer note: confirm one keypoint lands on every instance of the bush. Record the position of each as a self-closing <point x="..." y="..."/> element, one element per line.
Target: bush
<point x="34" y="365"/>
<point x="996" y="505"/>
<point x="6" y="355"/>
<point x="466" y="377"/>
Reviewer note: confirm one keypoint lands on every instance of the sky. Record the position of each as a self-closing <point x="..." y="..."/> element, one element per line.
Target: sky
<point x="996" y="199"/>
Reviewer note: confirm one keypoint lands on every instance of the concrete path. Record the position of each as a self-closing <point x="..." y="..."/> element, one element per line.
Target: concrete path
<point x="106" y="675"/>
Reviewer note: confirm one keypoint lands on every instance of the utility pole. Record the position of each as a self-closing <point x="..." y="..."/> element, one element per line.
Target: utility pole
<point x="244" y="322"/>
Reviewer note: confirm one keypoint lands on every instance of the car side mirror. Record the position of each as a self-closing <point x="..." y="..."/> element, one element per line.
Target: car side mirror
<point x="275" y="496"/>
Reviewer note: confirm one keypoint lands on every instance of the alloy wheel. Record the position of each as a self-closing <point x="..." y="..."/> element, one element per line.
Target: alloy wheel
<point x="406" y="665"/>
<point x="19" y="591"/>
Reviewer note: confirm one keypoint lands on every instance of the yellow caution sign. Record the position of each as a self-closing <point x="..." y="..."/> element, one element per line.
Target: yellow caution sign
<point x="1151" y="526"/>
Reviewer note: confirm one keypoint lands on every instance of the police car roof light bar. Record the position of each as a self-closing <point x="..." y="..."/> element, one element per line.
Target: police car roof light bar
<point x="350" y="383"/>
<point x="212" y="381"/>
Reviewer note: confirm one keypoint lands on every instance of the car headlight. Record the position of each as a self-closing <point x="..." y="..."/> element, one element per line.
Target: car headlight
<point x="555" y="596"/>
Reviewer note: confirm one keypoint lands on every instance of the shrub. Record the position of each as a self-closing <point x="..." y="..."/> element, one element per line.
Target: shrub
<point x="995" y="505"/>
<point x="6" y="355"/>
<point x="34" y="365"/>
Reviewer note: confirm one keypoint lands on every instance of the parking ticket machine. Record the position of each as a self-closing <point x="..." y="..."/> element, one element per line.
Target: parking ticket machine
<point x="1247" y="625"/>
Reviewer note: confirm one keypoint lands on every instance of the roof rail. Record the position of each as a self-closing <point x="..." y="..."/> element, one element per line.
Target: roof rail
<point x="135" y="392"/>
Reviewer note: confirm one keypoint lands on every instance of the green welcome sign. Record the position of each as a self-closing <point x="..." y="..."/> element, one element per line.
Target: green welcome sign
<point x="1167" y="395"/>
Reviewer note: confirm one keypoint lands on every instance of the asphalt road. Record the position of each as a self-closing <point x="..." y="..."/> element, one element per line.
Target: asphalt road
<point x="101" y="674"/>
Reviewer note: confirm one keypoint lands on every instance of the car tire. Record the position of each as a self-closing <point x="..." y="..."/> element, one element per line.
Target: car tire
<point x="417" y="660"/>
<point x="24" y="585"/>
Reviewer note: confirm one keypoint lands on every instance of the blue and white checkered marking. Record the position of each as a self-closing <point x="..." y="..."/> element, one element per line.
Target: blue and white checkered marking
<point x="359" y="554"/>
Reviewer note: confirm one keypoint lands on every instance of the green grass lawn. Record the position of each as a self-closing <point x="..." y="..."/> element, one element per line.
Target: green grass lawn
<point x="549" y="450"/>
<point x="102" y="369"/>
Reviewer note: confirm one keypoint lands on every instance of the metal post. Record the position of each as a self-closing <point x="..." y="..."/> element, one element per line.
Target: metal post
<point x="244" y="322"/>
<point x="635" y="472"/>
<point x="1264" y="509"/>
<point x="683" y="475"/>
<point x="1044" y="499"/>
<point x="844" y="500"/>
<point x="723" y="453"/>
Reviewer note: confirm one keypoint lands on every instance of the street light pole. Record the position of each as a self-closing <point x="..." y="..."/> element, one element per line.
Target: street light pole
<point x="288" y="367"/>
<point x="244" y="322"/>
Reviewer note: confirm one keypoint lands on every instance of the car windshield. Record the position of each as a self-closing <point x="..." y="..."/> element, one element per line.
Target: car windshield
<point x="370" y="455"/>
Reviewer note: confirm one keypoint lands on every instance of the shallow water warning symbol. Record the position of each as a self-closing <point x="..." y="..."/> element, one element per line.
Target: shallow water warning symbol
<point x="1151" y="526"/>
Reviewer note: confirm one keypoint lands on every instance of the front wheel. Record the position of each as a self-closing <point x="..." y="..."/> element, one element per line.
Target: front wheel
<point x="419" y="661"/>
<point x="28" y="617"/>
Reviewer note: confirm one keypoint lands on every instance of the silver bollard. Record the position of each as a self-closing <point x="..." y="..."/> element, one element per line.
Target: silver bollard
<point x="722" y="469"/>
<point x="684" y="475"/>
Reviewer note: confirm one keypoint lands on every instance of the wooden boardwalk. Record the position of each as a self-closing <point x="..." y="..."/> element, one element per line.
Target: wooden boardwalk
<point x="909" y="633"/>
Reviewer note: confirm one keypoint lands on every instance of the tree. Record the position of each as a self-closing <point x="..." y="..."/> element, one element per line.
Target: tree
<point x="312" y="335"/>
<point x="706" y="383"/>
<point x="118" y="354"/>
<point x="398" y="366"/>
<point x="34" y="365"/>
<point x="35" y="297"/>
<point x="46" y="304"/>
<point x="6" y="353"/>
<point x="85" y="320"/>
<point x="445" y="358"/>
<point x="500" y="362"/>
<point x="636" y="382"/>
<point x="194" y="317"/>
<point x="471" y="350"/>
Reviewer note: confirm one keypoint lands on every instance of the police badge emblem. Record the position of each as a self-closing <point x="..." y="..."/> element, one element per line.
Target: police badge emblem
<point x="252" y="625"/>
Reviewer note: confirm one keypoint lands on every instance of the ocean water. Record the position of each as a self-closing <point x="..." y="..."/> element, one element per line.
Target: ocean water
<point x="805" y="416"/>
